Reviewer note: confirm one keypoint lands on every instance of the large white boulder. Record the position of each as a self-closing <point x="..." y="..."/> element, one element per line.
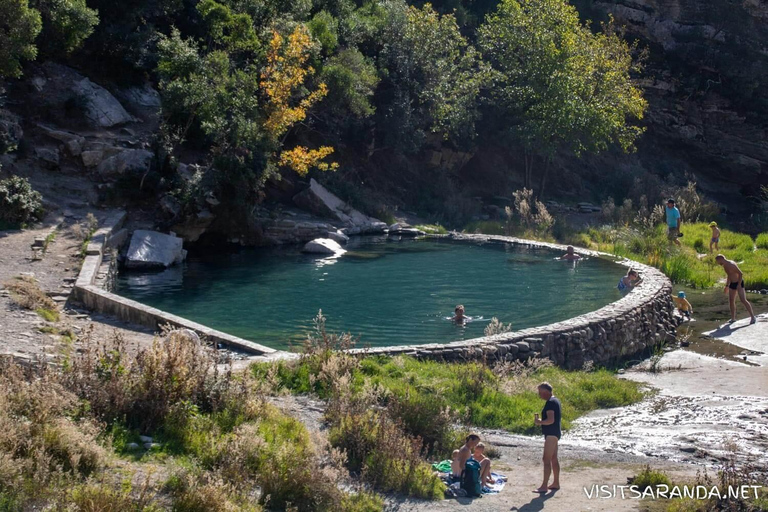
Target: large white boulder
<point x="101" y="108"/>
<point x="152" y="249"/>
<point x="323" y="246"/>
<point x="320" y="201"/>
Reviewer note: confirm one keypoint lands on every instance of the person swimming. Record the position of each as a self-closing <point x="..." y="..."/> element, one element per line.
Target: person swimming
<point x="629" y="281"/>
<point x="570" y="255"/>
<point x="458" y="315"/>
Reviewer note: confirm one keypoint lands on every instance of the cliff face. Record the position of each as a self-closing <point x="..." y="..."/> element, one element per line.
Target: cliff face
<point x="706" y="81"/>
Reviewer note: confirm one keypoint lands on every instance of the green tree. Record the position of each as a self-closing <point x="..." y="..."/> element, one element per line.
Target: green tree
<point x="240" y="107"/>
<point x="432" y="76"/>
<point x="351" y="80"/>
<point x="18" y="29"/>
<point x="325" y="29"/>
<point x="66" y="25"/>
<point x="561" y="86"/>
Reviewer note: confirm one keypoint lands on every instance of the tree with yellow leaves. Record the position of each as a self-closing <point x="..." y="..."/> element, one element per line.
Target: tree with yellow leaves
<point x="243" y="108"/>
<point x="286" y="71"/>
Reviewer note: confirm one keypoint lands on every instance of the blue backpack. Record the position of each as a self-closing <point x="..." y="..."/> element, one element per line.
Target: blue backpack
<point x="470" y="478"/>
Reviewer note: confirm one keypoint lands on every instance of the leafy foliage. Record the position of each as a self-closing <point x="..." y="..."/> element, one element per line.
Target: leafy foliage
<point x="66" y="25"/>
<point x="18" y="31"/>
<point x="561" y="85"/>
<point x="19" y="202"/>
<point x="433" y="76"/>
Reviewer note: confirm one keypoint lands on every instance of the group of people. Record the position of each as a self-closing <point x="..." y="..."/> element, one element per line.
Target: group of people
<point x="473" y="450"/>
<point x="734" y="284"/>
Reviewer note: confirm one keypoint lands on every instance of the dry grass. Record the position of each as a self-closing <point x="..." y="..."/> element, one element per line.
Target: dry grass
<point x="26" y="293"/>
<point x="44" y="438"/>
<point x="141" y="389"/>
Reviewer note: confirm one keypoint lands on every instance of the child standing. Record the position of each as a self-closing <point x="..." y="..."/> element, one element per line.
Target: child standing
<point x="683" y="305"/>
<point x="715" y="236"/>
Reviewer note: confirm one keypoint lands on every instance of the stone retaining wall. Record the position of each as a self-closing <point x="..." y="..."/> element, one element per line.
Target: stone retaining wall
<point x="620" y="330"/>
<point x="88" y="291"/>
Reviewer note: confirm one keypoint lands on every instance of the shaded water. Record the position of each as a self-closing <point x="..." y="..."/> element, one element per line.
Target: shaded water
<point x="388" y="292"/>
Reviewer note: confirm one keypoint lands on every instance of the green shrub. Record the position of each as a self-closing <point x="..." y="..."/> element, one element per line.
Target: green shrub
<point x="386" y="457"/>
<point x="66" y="25"/>
<point x="650" y="478"/>
<point x="432" y="229"/>
<point x="49" y="315"/>
<point x="19" y="203"/>
<point x="17" y="36"/>
<point x="762" y="241"/>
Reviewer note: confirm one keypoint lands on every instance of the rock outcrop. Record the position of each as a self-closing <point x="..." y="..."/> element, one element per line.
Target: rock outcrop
<point x="62" y="95"/>
<point x="320" y="201"/>
<point x="129" y="160"/>
<point x="705" y="84"/>
<point x="150" y="249"/>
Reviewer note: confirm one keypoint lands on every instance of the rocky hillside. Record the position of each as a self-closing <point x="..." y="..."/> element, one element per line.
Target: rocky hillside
<point x="705" y="81"/>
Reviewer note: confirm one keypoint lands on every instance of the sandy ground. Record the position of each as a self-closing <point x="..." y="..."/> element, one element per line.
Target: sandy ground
<point x="68" y="200"/>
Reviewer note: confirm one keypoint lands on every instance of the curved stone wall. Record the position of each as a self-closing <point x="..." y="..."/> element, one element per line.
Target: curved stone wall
<point x="620" y="330"/>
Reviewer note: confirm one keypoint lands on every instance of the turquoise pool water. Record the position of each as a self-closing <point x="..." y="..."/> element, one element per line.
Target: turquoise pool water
<point x="387" y="292"/>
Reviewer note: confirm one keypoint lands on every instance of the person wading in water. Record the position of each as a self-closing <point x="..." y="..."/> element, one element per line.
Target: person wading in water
<point x="735" y="286"/>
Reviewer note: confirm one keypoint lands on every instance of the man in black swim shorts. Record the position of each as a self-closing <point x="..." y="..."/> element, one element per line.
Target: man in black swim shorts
<point x="550" y="427"/>
<point x="734" y="286"/>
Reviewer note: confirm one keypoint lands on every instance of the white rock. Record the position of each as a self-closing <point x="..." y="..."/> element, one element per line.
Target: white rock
<point x="101" y="108"/>
<point x="319" y="200"/>
<point x="152" y="249"/>
<point x="144" y="96"/>
<point x="187" y="334"/>
<point x="132" y="446"/>
<point x="338" y="236"/>
<point x="323" y="246"/>
<point x="145" y="439"/>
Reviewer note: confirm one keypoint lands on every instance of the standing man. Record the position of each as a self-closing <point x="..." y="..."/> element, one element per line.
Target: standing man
<point x="735" y="285"/>
<point x="550" y="427"/>
<point x="673" y="222"/>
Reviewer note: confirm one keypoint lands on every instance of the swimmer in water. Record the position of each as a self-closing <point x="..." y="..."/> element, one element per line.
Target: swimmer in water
<point x="570" y="255"/>
<point x="458" y="315"/>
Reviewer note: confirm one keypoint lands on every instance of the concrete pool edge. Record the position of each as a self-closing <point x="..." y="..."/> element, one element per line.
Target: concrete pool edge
<point x="621" y="329"/>
<point x="98" y="299"/>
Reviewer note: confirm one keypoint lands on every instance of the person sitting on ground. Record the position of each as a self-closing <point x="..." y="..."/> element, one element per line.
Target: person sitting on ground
<point x="734" y="285"/>
<point x="629" y="281"/>
<point x="683" y="305"/>
<point x="479" y="456"/>
<point x="460" y="457"/>
<point x="715" y="241"/>
<point x="570" y="255"/>
<point x="458" y="315"/>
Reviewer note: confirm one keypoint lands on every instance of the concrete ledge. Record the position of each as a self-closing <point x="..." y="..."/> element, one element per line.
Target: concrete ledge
<point x="137" y="313"/>
<point x="97" y="299"/>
